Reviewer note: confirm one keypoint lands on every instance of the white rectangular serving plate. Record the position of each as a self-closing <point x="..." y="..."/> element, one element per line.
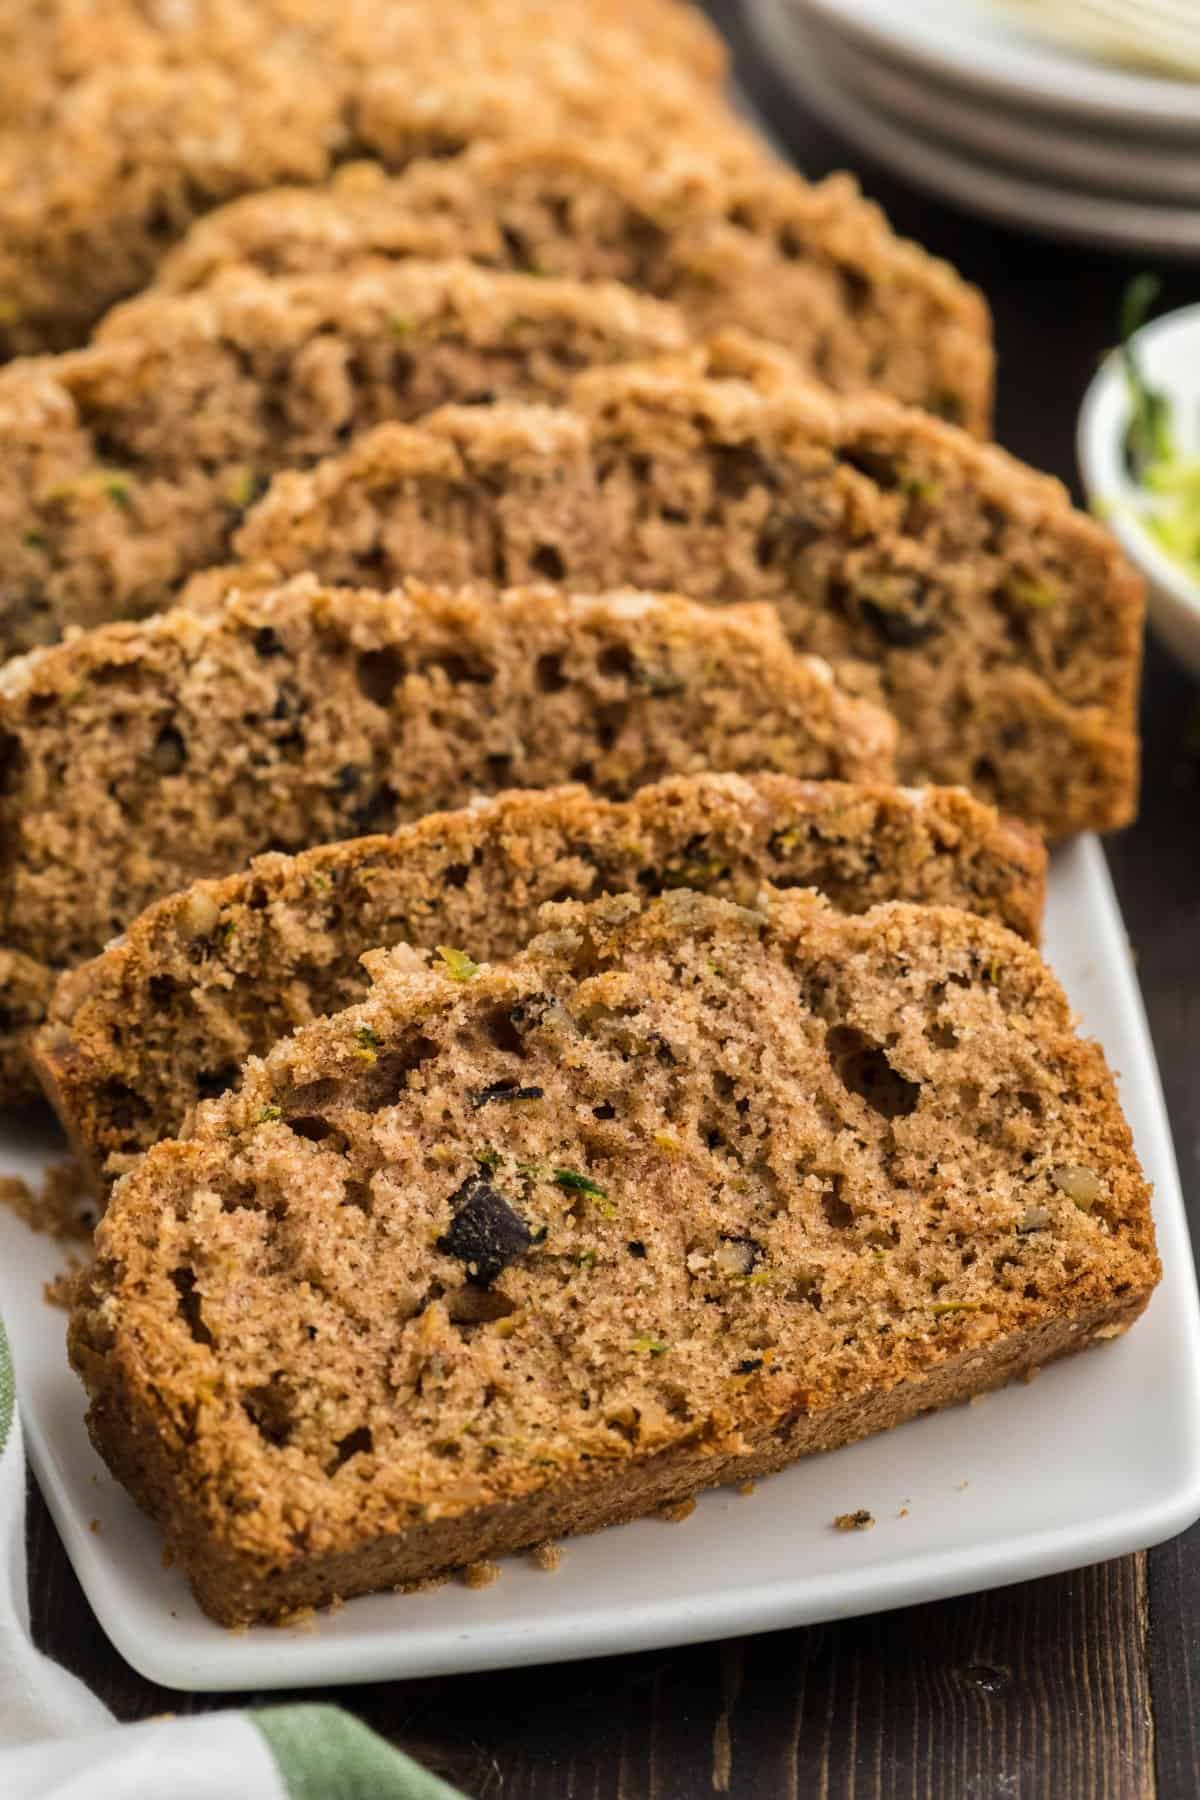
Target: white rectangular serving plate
<point x="1099" y="1456"/>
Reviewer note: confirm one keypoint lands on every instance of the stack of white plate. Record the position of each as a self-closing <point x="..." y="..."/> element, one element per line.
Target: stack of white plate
<point x="953" y="96"/>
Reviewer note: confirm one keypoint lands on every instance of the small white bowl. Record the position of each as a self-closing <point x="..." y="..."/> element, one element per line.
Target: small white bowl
<point x="1169" y="352"/>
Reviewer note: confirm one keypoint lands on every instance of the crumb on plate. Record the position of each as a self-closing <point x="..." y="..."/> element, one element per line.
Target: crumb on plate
<point x="862" y="1520"/>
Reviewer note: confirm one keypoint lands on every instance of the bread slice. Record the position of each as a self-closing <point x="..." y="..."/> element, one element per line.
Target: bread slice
<point x="26" y="989"/>
<point x="117" y="129"/>
<point x="45" y="48"/>
<point x="136" y="1037"/>
<point x="139" y="757"/>
<point x="129" y="464"/>
<point x="942" y="577"/>
<point x="683" y="1192"/>
<point x="814" y="267"/>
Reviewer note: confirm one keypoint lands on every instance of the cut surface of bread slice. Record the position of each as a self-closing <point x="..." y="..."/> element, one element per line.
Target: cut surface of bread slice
<point x="941" y="576"/>
<point x="683" y="1192"/>
<point x="130" y="464"/>
<point x="813" y="267"/>
<point x="136" y="1037"/>
<point x="139" y="757"/>
<point x="116" y="132"/>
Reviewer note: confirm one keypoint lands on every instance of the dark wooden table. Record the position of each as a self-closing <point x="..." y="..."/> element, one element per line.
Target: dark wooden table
<point x="1082" y="1687"/>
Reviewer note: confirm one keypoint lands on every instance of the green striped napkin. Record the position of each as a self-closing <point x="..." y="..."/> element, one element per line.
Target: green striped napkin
<point x="57" y="1742"/>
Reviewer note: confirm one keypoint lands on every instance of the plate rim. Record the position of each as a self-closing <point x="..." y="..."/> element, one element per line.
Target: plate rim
<point x="956" y="177"/>
<point x="986" y="131"/>
<point x="1102" y="92"/>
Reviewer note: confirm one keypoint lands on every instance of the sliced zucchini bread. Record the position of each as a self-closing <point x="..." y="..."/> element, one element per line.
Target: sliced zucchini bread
<point x="164" y="1017"/>
<point x="130" y="464"/>
<point x="814" y="267"/>
<point x="121" y="124"/>
<point x="681" y="1193"/>
<point x="138" y="757"/>
<point x="941" y="576"/>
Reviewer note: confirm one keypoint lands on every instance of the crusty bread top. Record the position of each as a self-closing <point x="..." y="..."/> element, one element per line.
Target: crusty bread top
<point x="409" y="301"/>
<point x="1000" y="625"/>
<point x="128" y="464"/>
<point x="48" y="47"/>
<point x="814" y="267"/>
<point x="678" y="1166"/>
<point x="727" y="394"/>
<point x="219" y="101"/>
<point x="207" y="977"/>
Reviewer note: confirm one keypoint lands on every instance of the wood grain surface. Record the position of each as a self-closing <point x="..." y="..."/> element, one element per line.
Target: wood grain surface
<point x="1081" y="1687"/>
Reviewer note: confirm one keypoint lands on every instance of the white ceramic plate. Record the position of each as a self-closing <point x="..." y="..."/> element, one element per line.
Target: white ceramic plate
<point x="1107" y="161"/>
<point x="1099" y="1456"/>
<point x="969" y="44"/>
<point x="978" y="186"/>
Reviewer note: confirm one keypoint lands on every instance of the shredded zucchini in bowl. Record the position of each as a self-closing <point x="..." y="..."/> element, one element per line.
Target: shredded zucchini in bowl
<point x="1167" y="478"/>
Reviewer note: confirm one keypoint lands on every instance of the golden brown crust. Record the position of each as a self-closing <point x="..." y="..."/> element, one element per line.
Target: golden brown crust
<point x="814" y="268"/>
<point x="128" y="465"/>
<point x="703" y="1235"/>
<point x="117" y="130"/>
<point x="941" y="576"/>
<point x="137" y="1036"/>
<point x="238" y="108"/>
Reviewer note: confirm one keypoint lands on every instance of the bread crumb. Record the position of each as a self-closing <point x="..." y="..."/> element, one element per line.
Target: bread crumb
<point x="425" y="1585"/>
<point x="480" y="1574"/>
<point x="18" y="1196"/>
<point x="862" y="1520"/>
<point x="94" y="1525"/>
<point x="962" y="1485"/>
<point x="60" y="1289"/>
<point x="745" y="1487"/>
<point x="303" y="1618"/>
<point x="676" y="1511"/>
<point x="62" y="1206"/>
<point x="547" y="1556"/>
<point x="903" y="1513"/>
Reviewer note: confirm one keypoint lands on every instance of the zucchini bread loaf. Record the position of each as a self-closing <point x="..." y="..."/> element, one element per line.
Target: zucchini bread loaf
<point x="942" y="577"/>
<point x="139" y="757"/>
<point x="129" y="464"/>
<point x="202" y="980"/>
<point x="814" y="267"/>
<point x="683" y="1192"/>
<point x="121" y="124"/>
